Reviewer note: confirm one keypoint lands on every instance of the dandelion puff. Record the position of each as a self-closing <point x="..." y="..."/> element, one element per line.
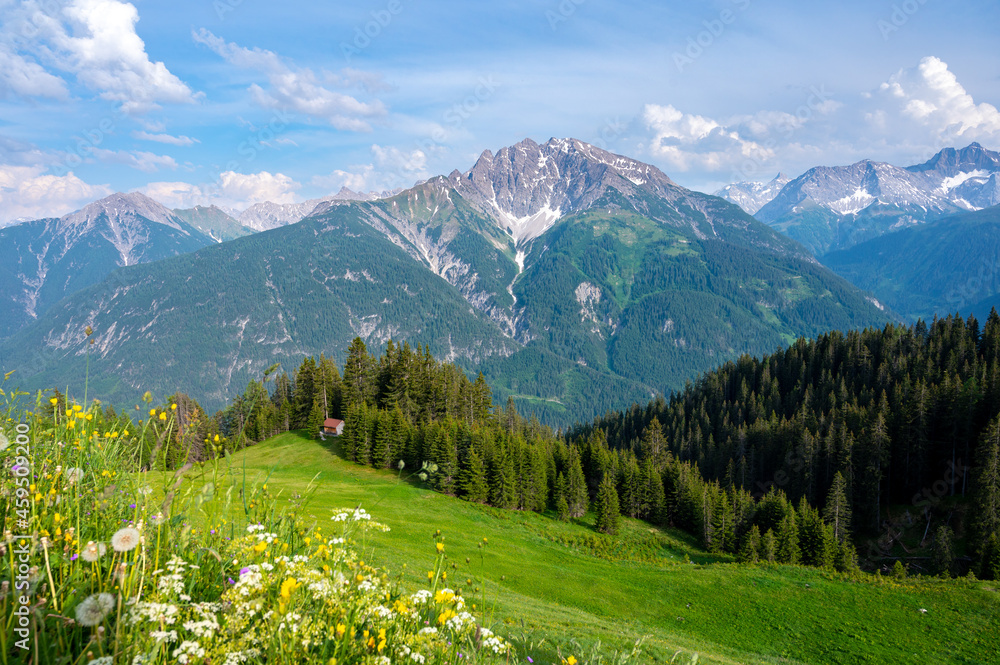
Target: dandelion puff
<point x="94" y="608"/>
<point x="93" y="551"/>
<point x="125" y="539"/>
<point x="74" y="475"/>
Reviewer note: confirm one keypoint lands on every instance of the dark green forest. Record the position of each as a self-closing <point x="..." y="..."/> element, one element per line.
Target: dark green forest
<point x="795" y="457"/>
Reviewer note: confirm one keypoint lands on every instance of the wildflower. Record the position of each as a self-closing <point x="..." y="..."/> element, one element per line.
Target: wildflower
<point x="440" y="547"/>
<point x="125" y="539"/>
<point x="152" y="412"/>
<point x="74" y="475"/>
<point x="571" y="661"/>
<point x="94" y="608"/>
<point x="173" y="407"/>
<point x="93" y="551"/>
<point x="163" y="415"/>
<point x="53" y="401"/>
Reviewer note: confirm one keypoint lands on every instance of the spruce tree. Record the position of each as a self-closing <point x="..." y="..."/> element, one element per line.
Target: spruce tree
<point x="788" y="540"/>
<point x="768" y="546"/>
<point x="576" y="485"/>
<point x="989" y="568"/>
<point x="473" y="479"/>
<point x="382" y="446"/>
<point x="942" y="549"/>
<point x="750" y="551"/>
<point x="986" y="488"/>
<point x="559" y="492"/>
<point x="314" y="424"/>
<point x="608" y="514"/>
<point x="837" y="511"/>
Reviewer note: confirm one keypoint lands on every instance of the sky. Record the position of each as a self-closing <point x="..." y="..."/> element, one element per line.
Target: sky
<point x="232" y="102"/>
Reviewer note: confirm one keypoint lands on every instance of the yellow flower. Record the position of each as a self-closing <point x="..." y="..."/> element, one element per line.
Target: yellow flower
<point x="359" y="577"/>
<point x="90" y="417"/>
<point x="152" y="412"/>
<point x="69" y="412"/>
<point x="53" y="401"/>
<point x="288" y="586"/>
<point x="71" y="424"/>
<point x="430" y="574"/>
<point x="571" y="661"/>
<point x="163" y="415"/>
<point x="381" y="639"/>
<point x="77" y="407"/>
<point x="216" y="438"/>
<point x="260" y="547"/>
<point x="173" y="407"/>
<point x="440" y="547"/>
<point x="444" y="616"/>
<point x="340" y="629"/>
<point x="125" y="433"/>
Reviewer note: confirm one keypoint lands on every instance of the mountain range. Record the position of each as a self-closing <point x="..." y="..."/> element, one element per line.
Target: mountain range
<point x="577" y="280"/>
<point x="830" y="208"/>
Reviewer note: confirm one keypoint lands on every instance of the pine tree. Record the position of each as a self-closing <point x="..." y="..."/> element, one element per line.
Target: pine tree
<point x="788" y="540"/>
<point x="837" y="511"/>
<point x="768" y="546"/>
<point x="942" y="549"/>
<point x="576" y="485"/>
<point x="608" y="515"/>
<point x="473" y="479"/>
<point x="846" y="559"/>
<point x="359" y="369"/>
<point x="989" y="568"/>
<point x="816" y="542"/>
<point x="314" y="425"/>
<point x="382" y="446"/>
<point x="559" y="492"/>
<point x="899" y="570"/>
<point x="986" y="488"/>
<point x="750" y="551"/>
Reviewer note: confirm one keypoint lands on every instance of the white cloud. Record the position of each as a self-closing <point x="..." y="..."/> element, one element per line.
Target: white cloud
<point x="94" y="40"/>
<point x="685" y="141"/>
<point x="22" y="77"/>
<point x="165" y="138"/>
<point x="390" y="168"/>
<point x="231" y="190"/>
<point x="147" y="162"/>
<point x="298" y="88"/>
<point x="929" y="97"/>
<point x="25" y="193"/>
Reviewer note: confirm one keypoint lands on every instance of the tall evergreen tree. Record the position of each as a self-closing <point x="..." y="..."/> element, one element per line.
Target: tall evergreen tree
<point x="472" y="482"/>
<point x="837" y="511"/>
<point x="608" y="514"/>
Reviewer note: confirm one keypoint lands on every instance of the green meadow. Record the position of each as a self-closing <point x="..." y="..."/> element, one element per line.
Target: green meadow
<point x="558" y="588"/>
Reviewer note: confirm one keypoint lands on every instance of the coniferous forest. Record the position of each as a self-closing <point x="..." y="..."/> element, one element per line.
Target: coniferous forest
<point x="798" y="457"/>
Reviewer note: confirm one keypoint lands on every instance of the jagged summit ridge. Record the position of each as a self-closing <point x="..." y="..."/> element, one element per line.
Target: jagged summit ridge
<point x="528" y="186"/>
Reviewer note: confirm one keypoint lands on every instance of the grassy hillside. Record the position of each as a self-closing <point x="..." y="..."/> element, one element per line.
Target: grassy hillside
<point x="553" y="580"/>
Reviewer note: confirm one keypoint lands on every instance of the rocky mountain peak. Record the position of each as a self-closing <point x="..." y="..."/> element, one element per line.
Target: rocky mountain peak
<point x="119" y="206"/>
<point x="528" y="186"/>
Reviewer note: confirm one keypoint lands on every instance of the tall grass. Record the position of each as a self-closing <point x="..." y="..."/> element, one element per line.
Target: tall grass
<point x="126" y="565"/>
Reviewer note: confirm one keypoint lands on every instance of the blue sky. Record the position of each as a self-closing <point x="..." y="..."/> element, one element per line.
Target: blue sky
<point x="238" y="101"/>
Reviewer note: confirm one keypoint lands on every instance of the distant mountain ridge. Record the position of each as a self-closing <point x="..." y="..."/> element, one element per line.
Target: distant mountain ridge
<point x="41" y="261"/>
<point x="829" y="208"/>
<point x="577" y="280"/>
<point x="752" y="196"/>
